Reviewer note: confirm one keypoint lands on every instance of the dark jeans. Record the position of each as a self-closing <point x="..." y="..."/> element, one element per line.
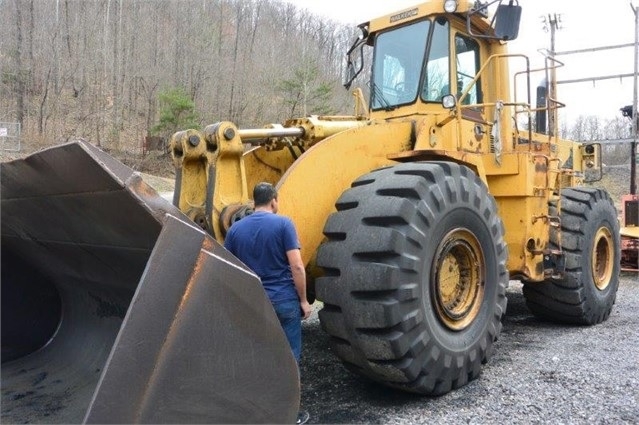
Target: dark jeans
<point x="290" y="316"/>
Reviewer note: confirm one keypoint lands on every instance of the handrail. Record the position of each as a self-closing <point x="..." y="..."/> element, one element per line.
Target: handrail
<point x="552" y="104"/>
<point x="473" y="83"/>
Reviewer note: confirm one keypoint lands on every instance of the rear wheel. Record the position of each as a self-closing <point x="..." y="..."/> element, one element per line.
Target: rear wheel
<point x="589" y="239"/>
<point x="415" y="276"/>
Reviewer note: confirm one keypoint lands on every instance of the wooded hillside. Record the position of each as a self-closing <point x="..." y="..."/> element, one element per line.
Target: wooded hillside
<point x="103" y="69"/>
<point x="96" y="69"/>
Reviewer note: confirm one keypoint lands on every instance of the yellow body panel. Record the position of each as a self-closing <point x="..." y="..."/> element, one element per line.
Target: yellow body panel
<point x="309" y="189"/>
<point x="630" y="232"/>
<point x="417" y="12"/>
<point x="266" y="166"/>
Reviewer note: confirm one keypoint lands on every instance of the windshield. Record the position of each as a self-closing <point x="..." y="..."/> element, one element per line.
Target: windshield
<point x="399" y="55"/>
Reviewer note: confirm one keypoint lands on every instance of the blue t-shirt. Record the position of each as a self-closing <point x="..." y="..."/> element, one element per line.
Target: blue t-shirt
<point x="260" y="241"/>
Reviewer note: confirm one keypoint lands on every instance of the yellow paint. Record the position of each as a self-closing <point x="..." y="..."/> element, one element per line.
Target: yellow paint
<point x="310" y="187"/>
<point x="630" y="232"/>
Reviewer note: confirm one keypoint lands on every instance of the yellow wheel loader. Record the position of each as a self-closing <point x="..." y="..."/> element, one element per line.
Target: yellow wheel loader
<point x="414" y="212"/>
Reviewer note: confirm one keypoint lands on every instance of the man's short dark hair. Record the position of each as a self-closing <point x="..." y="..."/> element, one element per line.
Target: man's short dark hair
<point x="263" y="193"/>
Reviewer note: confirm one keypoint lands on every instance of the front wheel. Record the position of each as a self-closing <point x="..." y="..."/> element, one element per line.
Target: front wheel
<point x="415" y="276"/>
<point x="590" y="242"/>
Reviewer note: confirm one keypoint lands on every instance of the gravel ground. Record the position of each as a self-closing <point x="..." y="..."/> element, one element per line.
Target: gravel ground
<point x="540" y="373"/>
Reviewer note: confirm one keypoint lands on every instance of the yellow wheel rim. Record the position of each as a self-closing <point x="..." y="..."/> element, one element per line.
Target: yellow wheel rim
<point x="458" y="279"/>
<point x="602" y="255"/>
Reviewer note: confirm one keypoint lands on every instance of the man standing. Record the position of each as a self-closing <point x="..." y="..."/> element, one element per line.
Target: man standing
<point x="267" y="243"/>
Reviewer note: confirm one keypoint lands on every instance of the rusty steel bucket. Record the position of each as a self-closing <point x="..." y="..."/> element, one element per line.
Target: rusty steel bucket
<point x="118" y="309"/>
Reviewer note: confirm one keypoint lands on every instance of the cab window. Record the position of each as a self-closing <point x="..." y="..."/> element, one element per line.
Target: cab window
<point x="437" y="76"/>
<point x="467" y="62"/>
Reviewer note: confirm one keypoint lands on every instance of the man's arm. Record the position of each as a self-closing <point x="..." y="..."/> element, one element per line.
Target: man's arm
<point x="299" y="277"/>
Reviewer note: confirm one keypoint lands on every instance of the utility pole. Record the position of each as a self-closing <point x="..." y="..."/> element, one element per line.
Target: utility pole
<point x="635" y="117"/>
<point x="552" y="23"/>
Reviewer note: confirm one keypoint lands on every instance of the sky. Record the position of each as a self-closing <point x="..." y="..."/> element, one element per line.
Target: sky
<point x="584" y="25"/>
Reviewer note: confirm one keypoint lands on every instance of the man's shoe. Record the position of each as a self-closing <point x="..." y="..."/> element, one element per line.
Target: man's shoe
<point x="302" y="417"/>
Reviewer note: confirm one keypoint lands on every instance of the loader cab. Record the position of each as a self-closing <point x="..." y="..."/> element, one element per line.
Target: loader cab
<point x="421" y="62"/>
<point x="424" y="54"/>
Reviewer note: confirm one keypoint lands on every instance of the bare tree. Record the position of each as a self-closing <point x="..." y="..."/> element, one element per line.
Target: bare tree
<point x="97" y="67"/>
<point x="20" y="90"/>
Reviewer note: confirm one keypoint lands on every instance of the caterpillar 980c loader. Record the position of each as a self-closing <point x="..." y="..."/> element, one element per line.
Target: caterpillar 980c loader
<point x="414" y="213"/>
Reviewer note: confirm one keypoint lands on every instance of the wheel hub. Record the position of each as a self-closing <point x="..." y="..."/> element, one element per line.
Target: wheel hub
<point x="602" y="254"/>
<point x="458" y="280"/>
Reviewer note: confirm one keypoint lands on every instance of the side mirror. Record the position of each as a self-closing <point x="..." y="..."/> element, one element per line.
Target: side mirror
<point x="354" y="65"/>
<point x="505" y="22"/>
<point x="355" y="59"/>
<point x="507" y="19"/>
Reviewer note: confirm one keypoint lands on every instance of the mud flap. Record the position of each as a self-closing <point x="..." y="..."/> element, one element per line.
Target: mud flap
<point x="116" y="308"/>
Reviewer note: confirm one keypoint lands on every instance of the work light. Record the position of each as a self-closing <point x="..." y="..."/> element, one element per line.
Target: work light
<point x="450" y="6"/>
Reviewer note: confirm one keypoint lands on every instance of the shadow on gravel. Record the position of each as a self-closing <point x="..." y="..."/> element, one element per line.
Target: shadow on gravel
<point x="332" y="394"/>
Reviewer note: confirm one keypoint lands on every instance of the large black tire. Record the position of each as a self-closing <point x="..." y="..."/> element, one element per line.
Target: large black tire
<point x="589" y="239"/>
<point x="415" y="276"/>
